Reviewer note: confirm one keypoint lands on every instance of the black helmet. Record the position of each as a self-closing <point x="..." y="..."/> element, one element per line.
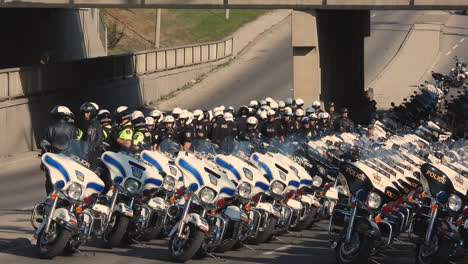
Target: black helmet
<point x="60" y="112"/>
<point x="122" y="113"/>
<point x="243" y="111"/>
<point x="89" y="107"/>
<point x="206" y="115"/>
<point x="344" y="110"/>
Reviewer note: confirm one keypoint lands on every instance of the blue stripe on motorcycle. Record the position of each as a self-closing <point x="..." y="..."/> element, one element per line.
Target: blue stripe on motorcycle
<point x="294" y="183"/>
<point x="184" y="164"/>
<point x="306" y="182"/>
<point x="264" y="166"/>
<point x="261" y="185"/>
<point x="154" y="181"/>
<point x="95" y="186"/>
<point x="228" y="166"/>
<point x="116" y="164"/>
<point x="152" y="161"/>
<point x="228" y="191"/>
<point x="58" y="166"/>
<point x="181" y="178"/>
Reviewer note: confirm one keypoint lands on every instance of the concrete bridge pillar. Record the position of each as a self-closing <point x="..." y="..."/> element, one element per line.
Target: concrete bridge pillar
<point x="328" y="50"/>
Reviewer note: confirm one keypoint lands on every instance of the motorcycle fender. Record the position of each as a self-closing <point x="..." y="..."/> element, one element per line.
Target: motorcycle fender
<point x="198" y="221"/>
<point x="295" y="205"/>
<point x="233" y="212"/>
<point x="306" y="199"/>
<point x="268" y="208"/>
<point x="124" y="209"/>
<point x="65" y="218"/>
<point x="103" y="209"/>
<point x="157" y="203"/>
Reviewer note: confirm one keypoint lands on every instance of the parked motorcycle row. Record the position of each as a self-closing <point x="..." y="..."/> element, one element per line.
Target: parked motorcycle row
<point x="404" y="181"/>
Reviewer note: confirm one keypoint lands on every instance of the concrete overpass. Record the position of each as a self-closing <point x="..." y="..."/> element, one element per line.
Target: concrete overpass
<point x="247" y="4"/>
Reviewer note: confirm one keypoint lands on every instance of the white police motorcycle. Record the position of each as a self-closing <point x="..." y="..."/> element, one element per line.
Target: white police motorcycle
<point x="61" y="220"/>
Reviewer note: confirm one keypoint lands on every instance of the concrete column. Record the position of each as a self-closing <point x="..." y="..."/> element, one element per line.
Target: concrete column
<point x="306" y="59"/>
<point x="341" y="36"/>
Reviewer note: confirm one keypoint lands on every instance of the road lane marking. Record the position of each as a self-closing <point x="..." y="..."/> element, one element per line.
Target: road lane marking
<point x="276" y="250"/>
<point x="454" y="47"/>
<point x="461" y="40"/>
<point x="448" y="53"/>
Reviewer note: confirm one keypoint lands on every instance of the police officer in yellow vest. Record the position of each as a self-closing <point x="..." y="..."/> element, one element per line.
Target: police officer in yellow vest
<point x="123" y="136"/>
<point x="142" y="137"/>
<point x="105" y="118"/>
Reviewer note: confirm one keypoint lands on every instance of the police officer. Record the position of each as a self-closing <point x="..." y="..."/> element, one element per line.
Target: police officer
<point x="59" y="134"/>
<point x="272" y="128"/>
<point x="167" y="131"/>
<point x="298" y="115"/>
<point x="185" y="131"/>
<point x="197" y="116"/>
<point x="105" y="118"/>
<point x="220" y="127"/>
<point x="323" y="126"/>
<point x="316" y="106"/>
<point x="289" y="124"/>
<point x="300" y="103"/>
<point x="142" y="137"/>
<point x="203" y="127"/>
<point x="343" y="123"/>
<point x="333" y="114"/>
<point x="157" y="115"/>
<point x="313" y="118"/>
<point x="251" y="133"/>
<point x="123" y="135"/>
<point x="242" y="116"/>
<point x="304" y="130"/>
<point x="92" y="131"/>
<point x="233" y="129"/>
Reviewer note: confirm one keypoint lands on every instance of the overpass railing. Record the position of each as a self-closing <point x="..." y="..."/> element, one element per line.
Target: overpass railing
<point x="44" y="79"/>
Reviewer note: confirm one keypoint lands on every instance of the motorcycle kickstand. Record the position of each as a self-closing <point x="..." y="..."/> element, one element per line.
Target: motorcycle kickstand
<point x="75" y="250"/>
<point x="247" y="246"/>
<point x="277" y="238"/>
<point x="215" y="257"/>
<point x="138" y="242"/>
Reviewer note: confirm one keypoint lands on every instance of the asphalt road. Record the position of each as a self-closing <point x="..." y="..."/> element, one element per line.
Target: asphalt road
<point x="22" y="181"/>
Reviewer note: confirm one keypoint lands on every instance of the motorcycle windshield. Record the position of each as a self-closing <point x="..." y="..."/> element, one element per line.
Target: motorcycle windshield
<point x="78" y="150"/>
<point x="169" y="146"/>
<point x="204" y="146"/>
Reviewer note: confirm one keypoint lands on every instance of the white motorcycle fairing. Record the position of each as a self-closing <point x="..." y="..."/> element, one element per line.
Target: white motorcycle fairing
<point x="303" y="176"/>
<point x="64" y="171"/>
<point x="163" y="164"/>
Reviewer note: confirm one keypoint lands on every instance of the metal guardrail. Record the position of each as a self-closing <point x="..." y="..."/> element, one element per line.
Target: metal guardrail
<point x="43" y="79"/>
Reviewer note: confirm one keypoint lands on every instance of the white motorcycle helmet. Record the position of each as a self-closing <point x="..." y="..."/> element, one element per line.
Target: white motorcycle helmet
<point x="176" y="112"/>
<point x="316" y="104"/>
<point x="253" y="104"/>
<point x="228" y="117"/>
<point x="299" y="112"/>
<point x="269" y="100"/>
<point x="252" y="120"/>
<point x="264" y="115"/>
<point x="149" y="121"/>
<point x="274" y="105"/>
<point x="137" y="114"/>
<point x="313" y="116"/>
<point x="198" y="114"/>
<point x="271" y="113"/>
<point x="168" y="119"/>
<point x="288" y="111"/>
<point x="218" y="111"/>
<point x="281" y="104"/>
<point x="324" y="115"/>
<point x="299" y="102"/>
<point x="157" y="115"/>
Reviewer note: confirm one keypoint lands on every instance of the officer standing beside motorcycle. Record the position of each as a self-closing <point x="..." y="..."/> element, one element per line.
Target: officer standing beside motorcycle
<point x="142" y="137"/>
<point x="251" y="133"/>
<point x="343" y="123"/>
<point x="233" y="130"/>
<point x="167" y="131"/>
<point x="313" y="118"/>
<point x="220" y="127"/>
<point x="59" y="133"/>
<point x="92" y="131"/>
<point x="272" y="128"/>
<point x="289" y="124"/>
<point x="123" y="136"/>
<point x="203" y="127"/>
<point x="105" y="117"/>
<point x="333" y="114"/>
<point x="185" y="132"/>
<point x="323" y="126"/>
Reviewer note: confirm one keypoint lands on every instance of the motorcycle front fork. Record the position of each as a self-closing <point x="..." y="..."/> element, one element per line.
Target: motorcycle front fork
<point x="427" y="239"/>
<point x="51" y="214"/>
<point x="184" y="216"/>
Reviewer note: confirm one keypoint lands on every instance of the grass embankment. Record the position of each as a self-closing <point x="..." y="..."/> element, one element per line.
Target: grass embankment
<point x="178" y="26"/>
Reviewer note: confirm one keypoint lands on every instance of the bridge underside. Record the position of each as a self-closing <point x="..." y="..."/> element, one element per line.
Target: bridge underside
<point x="247" y="4"/>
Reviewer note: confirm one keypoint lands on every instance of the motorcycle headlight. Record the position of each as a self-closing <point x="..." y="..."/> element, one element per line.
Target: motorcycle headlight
<point x="455" y="203"/>
<point x="169" y="183"/>
<point x="244" y="190"/>
<point x="277" y="187"/>
<point x="74" y="191"/>
<point x="207" y="195"/>
<point x="374" y="200"/>
<point x="132" y="186"/>
<point x="317" y="181"/>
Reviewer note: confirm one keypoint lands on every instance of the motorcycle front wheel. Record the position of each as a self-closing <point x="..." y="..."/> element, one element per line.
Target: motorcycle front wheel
<point x="437" y="252"/>
<point x="155" y="226"/>
<point x="307" y="221"/>
<point x="356" y="251"/>
<point x="118" y="226"/>
<point x="267" y="233"/>
<point x="54" y="242"/>
<point x="184" y="248"/>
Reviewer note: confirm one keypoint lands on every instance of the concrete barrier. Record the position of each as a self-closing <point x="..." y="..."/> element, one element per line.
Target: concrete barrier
<point x="27" y="94"/>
